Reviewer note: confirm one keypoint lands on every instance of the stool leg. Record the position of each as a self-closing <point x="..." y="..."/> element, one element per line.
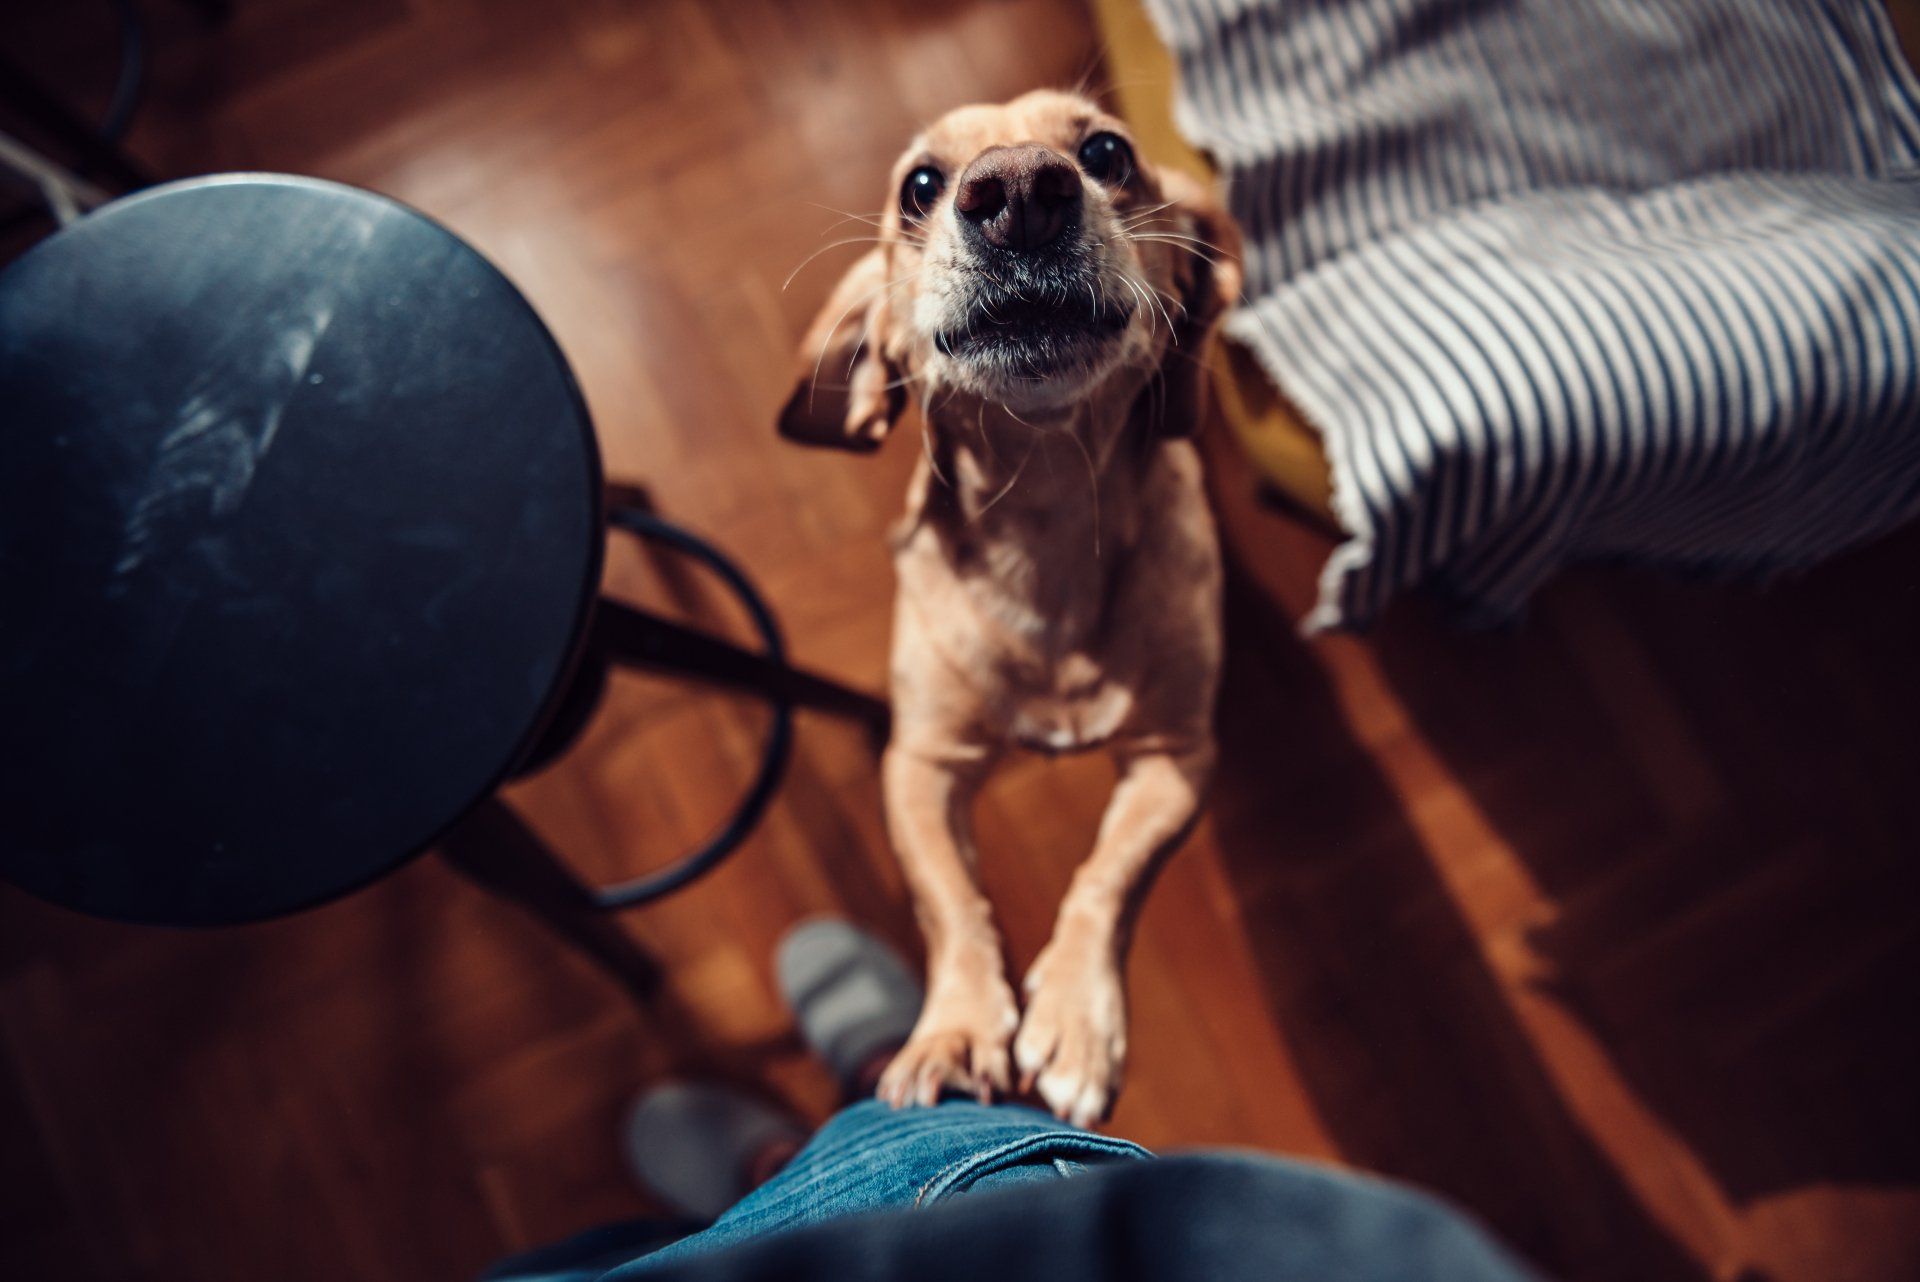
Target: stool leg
<point x="629" y="494"/>
<point x="493" y="848"/>
<point x="43" y="111"/>
<point x="635" y="637"/>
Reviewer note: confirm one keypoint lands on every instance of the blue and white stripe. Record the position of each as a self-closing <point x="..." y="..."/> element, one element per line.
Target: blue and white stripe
<point x="1572" y="281"/>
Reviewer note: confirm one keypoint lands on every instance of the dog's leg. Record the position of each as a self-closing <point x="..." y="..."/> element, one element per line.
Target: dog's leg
<point x="1073" y="1040"/>
<point x="964" y="1029"/>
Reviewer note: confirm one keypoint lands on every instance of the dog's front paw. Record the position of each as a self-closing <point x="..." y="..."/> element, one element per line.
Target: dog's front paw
<point x="959" y="1043"/>
<point x="1072" y="1045"/>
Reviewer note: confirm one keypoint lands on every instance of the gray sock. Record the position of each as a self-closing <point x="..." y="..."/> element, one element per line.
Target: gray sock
<point x="851" y="994"/>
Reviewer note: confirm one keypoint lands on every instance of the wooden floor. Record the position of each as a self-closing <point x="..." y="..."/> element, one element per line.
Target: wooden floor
<point x="1604" y="926"/>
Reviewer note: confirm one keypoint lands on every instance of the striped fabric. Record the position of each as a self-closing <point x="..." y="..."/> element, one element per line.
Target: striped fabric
<point x="1561" y="281"/>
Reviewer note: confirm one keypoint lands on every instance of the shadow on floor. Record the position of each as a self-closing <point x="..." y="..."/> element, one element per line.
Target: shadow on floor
<point x="1402" y="1037"/>
<point x="1741" y="942"/>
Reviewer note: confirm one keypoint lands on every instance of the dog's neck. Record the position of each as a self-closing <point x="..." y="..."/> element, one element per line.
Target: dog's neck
<point x="1001" y="467"/>
<point x="1037" y="512"/>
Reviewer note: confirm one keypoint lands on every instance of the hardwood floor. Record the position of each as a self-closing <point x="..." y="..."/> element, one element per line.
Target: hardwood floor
<point x="1603" y="925"/>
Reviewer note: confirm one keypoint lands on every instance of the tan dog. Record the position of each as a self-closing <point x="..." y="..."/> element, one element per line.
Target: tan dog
<point x="1048" y="300"/>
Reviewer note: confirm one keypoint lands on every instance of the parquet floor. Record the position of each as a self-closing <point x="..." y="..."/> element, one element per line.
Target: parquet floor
<point x="1603" y="925"/>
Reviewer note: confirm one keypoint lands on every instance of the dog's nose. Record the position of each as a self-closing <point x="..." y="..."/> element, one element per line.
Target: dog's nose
<point x="1019" y="198"/>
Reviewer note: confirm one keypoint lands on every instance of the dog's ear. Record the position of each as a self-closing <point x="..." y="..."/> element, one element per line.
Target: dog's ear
<point x="1207" y="279"/>
<point x="845" y="391"/>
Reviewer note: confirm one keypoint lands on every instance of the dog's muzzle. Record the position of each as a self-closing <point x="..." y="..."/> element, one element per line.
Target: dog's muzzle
<point x="1035" y="324"/>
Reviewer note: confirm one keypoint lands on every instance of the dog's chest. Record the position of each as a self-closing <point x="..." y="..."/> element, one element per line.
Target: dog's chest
<point x="1083" y="710"/>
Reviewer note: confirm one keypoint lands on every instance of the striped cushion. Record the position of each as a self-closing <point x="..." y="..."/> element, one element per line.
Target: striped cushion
<point x="1567" y="281"/>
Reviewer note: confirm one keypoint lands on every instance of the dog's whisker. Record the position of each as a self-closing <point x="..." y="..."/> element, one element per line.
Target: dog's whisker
<point x="850" y="240"/>
<point x="866" y="324"/>
<point x="926" y="446"/>
<point x="847" y="215"/>
<point x="1154" y="297"/>
<point x="1184" y="243"/>
<point x="1140" y="216"/>
<point x="1174" y="238"/>
<point x="1082" y="85"/>
<point x="1093" y="483"/>
<point x="1132" y="282"/>
<point x="1166" y="228"/>
<point x="1150" y="300"/>
<point x="1164" y="296"/>
<point x="834" y="226"/>
<point x="1135" y="291"/>
<point x="980" y="427"/>
<point x="840" y="320"/>
<point x="1033" y="443"/>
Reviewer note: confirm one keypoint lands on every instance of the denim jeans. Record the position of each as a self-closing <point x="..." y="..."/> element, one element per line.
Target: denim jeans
<point x="869" y="1157"/>
<point x="1211" y="1216"/>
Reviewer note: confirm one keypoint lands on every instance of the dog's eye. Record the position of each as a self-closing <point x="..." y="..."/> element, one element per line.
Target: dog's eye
<point x="1107" y="158"/>
<point x="921" y="189"/>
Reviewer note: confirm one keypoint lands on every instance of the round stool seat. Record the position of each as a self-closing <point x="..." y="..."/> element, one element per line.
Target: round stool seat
<point x="299" y="533"/>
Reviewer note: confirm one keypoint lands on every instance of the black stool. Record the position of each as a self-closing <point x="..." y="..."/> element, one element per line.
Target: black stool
<point x="301" y="520"/>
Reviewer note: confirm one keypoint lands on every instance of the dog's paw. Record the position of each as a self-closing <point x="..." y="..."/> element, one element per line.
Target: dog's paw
<point x="1072" y="1046"/>
<point x="959" y="1043"/>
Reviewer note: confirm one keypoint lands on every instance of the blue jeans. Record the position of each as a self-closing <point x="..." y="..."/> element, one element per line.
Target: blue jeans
<point x="1213" y="1215"/>
<point x="869" y="1157"/>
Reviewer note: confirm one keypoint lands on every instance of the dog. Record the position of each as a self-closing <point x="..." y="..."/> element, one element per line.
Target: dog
<point x="1047" y="299"/>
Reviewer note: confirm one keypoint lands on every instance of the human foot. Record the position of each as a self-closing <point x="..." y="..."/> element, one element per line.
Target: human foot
<point x="700" y="1147"/>
<point x="853" y="998"/>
